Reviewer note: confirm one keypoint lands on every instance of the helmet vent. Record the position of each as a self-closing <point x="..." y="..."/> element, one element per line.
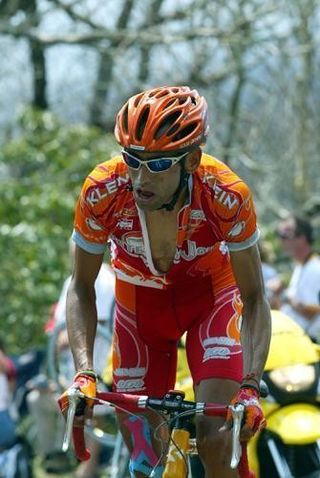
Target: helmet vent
<point x="162" y="93"/>
<point x="169" y="103"/>
<point x="167" y="124"/>
<point x="185" y="131"/>
<point x="183" y="100"/>
<point x="153" y="92"/>
<point x="125" y="119"/>
<point x="142" y="122"/>
<point x="137" y="100"/>
<point x="173" y="129"/>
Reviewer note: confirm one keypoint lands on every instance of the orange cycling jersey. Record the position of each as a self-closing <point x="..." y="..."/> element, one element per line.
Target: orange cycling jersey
<point x="218" y="216"/>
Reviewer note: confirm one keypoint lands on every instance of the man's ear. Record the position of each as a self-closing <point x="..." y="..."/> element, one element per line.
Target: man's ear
<point x="192" y="161"/>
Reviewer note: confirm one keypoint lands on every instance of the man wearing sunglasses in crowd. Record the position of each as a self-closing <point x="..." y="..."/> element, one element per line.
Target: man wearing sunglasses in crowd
<point x="183" y="235"/>
<point x="301" y="300"/>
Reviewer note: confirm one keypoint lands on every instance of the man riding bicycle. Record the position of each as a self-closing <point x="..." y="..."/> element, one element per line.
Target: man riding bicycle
<point x="183" y="234"/>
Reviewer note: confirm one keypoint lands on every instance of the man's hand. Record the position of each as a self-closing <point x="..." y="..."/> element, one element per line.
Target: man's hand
<point x="85" y="382"/>
<point x="254" y="419"/>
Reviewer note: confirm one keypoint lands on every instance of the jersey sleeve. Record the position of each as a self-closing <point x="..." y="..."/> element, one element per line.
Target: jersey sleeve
<point x="89" y="233"/>
<point x="239" y="223"/>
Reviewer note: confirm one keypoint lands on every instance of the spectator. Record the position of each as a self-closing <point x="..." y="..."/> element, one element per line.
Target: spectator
<point x="104" y="287"/>
<point x="42" y="401"/>
<point x="271" y="278"/>
<point x="302" y="297"/>
<point x="7" y="380"/>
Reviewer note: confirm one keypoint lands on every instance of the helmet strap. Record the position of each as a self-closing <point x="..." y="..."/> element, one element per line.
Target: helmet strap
<point x="184" y="176"/>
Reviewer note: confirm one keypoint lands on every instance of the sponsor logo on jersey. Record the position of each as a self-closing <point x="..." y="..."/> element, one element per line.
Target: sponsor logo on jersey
<point x="126" y="224"/>
<point x="228" y="341"/>
<point x="129" y="212"/>
<point x="91" y="223"/>
<point x="132" y="245"/>
<point x="237" y="229"/>
<point x="223" y="248"/>
<point x="111" y="186"/>
<point x="216" y="352"/>
<point x="191" y="252"/>
<point x="130" y="385"/>
<point x="220" y="348"/>
<point x="197" y="214"/>
<point x="227" y="199"/>
<point x="130" y="372"/>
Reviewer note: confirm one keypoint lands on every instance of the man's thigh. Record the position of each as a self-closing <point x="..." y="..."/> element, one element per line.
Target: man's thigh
<point x="139" y="367"/>
<point x="213" y="344"/>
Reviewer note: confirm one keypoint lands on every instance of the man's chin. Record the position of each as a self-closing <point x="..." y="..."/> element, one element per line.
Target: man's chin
<point x="147" y="207"/>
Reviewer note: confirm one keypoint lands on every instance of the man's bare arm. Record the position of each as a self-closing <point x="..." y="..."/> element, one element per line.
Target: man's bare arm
<point x="309" y="311"/>
<point x="256" y="325"/>
<point x="81" y="308"/>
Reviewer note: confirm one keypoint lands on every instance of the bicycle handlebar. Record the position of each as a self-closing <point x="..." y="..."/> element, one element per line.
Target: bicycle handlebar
<point x="171" y="402"/>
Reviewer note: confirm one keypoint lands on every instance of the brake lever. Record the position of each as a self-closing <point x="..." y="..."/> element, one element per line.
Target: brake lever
<point x="237" y="412"/>
<point x="74" y="397"/>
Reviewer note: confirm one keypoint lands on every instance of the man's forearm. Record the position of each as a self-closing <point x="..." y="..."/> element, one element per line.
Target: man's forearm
<point x="309" y="311"/>
<point x="81" y="325"/>
<point x="255" y="336"/>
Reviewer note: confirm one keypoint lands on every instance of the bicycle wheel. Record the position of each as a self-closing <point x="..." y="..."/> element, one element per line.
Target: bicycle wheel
<point x="119" y="460"/>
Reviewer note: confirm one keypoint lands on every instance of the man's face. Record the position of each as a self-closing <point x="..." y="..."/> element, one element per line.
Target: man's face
<point x="152" y="190"/>
<point x="290" y="241"/>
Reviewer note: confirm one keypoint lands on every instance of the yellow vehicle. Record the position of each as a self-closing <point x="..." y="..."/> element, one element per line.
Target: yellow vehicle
<point x="289" y="446"/>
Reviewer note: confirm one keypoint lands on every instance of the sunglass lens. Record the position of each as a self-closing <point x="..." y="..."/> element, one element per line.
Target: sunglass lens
<point x="157" y="166"/>
<point x="131" y="161"/>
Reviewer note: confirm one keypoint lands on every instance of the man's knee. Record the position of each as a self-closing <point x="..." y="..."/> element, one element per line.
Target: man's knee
<point x="209" y="438"/>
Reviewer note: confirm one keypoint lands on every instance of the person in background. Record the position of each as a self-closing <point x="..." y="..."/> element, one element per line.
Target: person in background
<point x="42" y="400"/>
<point x="301" y="300"/>
<point x="272" y="280"/>
<point x="104" y="288"/>
<point x="7" y="384"/>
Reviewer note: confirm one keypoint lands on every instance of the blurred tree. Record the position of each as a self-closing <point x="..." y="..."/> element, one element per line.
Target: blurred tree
<point x="45" y="168"/>
<point x="28" y="11"/>
<point x="257" y="63"/>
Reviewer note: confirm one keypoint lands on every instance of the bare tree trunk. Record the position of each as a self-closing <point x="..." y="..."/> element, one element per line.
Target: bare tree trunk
<point x="238" y="52"/>
<point x="151" y="19"/>
<point x="234" y="111"/>
<point x="37" y="55"/>
<point x="39" y="75"/>
<point x="304" y="87"/>
<point x="105" y="71"/>
<point x="10" y="8"/>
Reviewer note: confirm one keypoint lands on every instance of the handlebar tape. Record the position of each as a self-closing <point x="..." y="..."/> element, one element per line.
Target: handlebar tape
<point x="80" y="450"/>
<point x="243" y="467"/>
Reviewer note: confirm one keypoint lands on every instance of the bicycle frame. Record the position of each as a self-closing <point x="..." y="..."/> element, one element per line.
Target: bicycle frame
<point x="173" y="403"/>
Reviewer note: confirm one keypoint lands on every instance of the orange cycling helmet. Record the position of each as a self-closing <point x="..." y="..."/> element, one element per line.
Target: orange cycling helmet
<point x="163" y="119"/>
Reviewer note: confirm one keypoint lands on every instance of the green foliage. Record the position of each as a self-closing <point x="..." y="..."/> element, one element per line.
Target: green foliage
<point x="41" y="173"/>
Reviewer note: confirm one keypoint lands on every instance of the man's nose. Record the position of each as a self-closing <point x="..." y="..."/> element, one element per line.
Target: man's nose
<point x="144" y="175"/>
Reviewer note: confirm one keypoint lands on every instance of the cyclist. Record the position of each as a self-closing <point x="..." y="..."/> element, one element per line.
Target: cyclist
<point x="183" y="235"/>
